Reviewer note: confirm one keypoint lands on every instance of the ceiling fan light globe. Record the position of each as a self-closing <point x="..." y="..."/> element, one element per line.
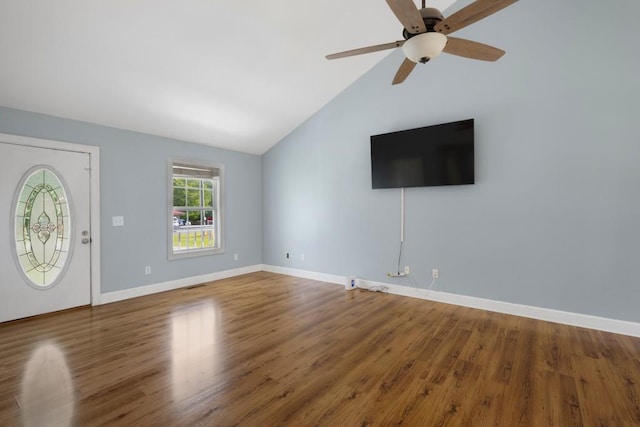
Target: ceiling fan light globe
<point x="424" y="47"/>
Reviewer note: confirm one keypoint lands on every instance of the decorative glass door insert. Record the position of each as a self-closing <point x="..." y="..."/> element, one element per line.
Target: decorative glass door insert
<point x="42" y="227"/>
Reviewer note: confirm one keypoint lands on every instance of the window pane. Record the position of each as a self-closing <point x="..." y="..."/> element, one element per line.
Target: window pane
<point x="194" y="217"/>
<point x="179" y="197"/>
<point x="193" y="183"/>
<point x="208" y="198"/>
<point x="179" y="182"/>
<point x="193" y="197"/>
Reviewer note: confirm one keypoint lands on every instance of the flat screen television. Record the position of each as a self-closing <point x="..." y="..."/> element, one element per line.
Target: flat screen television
<point x="428" y="156"/>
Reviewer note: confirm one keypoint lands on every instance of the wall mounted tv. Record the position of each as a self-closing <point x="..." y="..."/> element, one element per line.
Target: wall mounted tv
<point x="428" y="156"/>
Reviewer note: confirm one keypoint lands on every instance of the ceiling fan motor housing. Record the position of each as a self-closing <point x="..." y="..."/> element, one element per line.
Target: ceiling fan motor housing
<point x="431" y="16"/>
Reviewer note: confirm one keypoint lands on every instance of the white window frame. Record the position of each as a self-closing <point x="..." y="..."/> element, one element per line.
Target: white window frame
<point x="218" y="216"/>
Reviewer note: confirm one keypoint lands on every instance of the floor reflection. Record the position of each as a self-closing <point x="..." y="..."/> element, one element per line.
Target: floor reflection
<point x="195" y="335"/>
<point x="47" y="390"/>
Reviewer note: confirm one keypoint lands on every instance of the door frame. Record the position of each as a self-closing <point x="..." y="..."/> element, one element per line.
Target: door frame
<point x="94" y="195"/>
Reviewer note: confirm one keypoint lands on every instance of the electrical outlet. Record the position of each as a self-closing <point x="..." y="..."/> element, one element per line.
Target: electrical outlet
<point x="301" y="257"/>
<point x="407" y="270"/>
<point x="351" y="283"/>
<point x="235" y="257"/>
<point x="434" y="273"/>
<point x="147" y="270"/>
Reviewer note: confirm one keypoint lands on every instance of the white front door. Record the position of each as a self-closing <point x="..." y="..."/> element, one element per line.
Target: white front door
<point x="45" y="242"/>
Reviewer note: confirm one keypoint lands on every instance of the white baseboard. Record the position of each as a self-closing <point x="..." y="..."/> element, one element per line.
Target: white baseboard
<point x="563" y="317"/>
<point x="323" y="277"/>
<point x="175" y="284"/>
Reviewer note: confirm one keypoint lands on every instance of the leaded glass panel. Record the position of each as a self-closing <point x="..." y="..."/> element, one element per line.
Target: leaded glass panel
<point x="42" y="231"/>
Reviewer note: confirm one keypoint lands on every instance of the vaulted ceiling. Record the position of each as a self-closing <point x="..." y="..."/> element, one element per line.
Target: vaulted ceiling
<point x="233" y="74"/>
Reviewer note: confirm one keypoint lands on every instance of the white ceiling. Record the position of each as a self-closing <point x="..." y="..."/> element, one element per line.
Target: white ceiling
<point x="235" y="74"/>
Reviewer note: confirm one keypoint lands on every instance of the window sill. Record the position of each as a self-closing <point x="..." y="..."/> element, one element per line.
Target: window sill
<point x="195" y="253"/>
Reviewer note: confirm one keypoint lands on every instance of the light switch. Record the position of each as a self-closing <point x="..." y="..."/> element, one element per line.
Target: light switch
<point x="118" y="221"/>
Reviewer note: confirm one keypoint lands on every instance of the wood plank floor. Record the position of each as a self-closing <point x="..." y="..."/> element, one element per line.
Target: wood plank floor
<point x="265" y="349"/>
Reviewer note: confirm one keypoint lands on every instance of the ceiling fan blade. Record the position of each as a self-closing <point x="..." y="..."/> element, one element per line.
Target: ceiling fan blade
<point x="408" y="14"/>
<point x="471" y="49"/>
<point x="367" y="49"/>
<point x="470" y="14"/>
<point x="405" y="69"/>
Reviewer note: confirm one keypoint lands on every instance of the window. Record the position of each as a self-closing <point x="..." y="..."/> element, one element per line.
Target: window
<point x="42" y="227"/>
<point x="195" y="217"/>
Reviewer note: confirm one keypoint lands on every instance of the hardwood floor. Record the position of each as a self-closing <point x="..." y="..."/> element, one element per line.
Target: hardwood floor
<point x="265" y="349"/>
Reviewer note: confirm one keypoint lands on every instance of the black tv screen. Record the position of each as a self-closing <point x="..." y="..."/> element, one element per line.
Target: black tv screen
<point x="432" y="155"/>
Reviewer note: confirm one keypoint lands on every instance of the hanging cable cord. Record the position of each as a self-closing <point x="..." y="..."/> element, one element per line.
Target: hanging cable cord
<point x="401" y="226"/>
<point x="400" y="256"/>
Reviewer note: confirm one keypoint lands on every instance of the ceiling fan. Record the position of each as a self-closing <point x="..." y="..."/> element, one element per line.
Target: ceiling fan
<point x="426" y="34"/>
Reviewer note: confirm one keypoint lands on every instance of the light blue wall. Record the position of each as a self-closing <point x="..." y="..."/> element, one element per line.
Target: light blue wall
<point x="134" y="184"/>
<point x="554" y="217"/>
